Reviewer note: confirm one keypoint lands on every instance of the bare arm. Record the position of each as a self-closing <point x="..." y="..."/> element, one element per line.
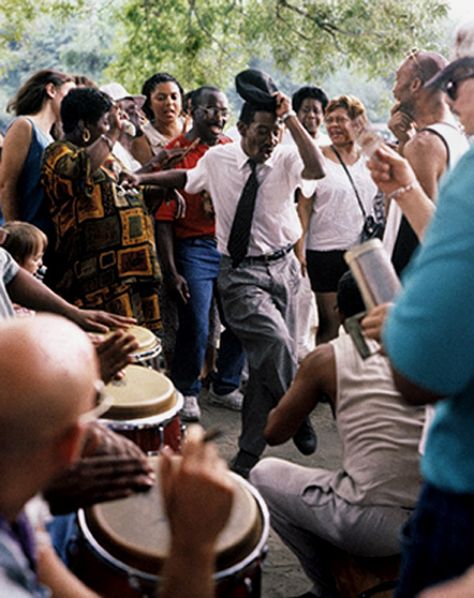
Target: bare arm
<point x="30" y="292"/>
<point x="15" y="149"/>
<point x="427" y="157"/>
<point x="168" y="179"/>
<point x="54" y="574"/>
<point x="198" y="497"/>
<point x="176" y="283"/>
<point x="412" y="393"/>
<point x="316" y="377"/>
<point x="308" y="150"/>
<point x="141" y="149"/>
<point x="303" y="207"/>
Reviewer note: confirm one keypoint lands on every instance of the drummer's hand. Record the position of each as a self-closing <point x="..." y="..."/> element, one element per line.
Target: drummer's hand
<point x="94" y="320"/>
<point x="97" y="479"/>
<point x="114" y="354"/>
<point x="372" y="324"/>
<point x="178" y="287"/>
<point x="197" y="493"/>
<point x="99" y="440"/>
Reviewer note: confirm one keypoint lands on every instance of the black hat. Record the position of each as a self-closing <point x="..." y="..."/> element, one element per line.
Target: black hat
<point x="256" y="88"/>
<point x="462" y="68"/>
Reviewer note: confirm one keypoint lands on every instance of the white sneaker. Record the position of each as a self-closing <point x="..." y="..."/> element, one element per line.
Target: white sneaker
<point x="232" y="400"/>
<point x="191" y="411"/>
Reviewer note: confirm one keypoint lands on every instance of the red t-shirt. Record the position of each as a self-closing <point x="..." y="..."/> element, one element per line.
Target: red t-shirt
<point x="196" y="221"/>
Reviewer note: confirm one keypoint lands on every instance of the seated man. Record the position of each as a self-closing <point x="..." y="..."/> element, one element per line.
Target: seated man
<point x="361" y="507"/>
<point x="41" y="432"/>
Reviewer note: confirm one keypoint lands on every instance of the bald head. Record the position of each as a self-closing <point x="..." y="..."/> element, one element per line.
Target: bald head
<point x="464" y="42"/>
<point x="47" y="370"/>
<point x="426" y="65"/>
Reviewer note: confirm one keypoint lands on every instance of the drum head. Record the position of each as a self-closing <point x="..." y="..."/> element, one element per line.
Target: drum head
<point x="135" y="530"/>
<point x="148" y="344"/>
<point x="142" y="392"/>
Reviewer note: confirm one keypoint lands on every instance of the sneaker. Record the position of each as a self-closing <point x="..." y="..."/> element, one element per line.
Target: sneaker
<point x="191" y="411"/>
<point x="242" y="463"/>
<point x="232" y="400"/>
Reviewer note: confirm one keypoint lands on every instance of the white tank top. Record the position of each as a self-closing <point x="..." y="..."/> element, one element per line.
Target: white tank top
<point x="336" y="219"/>
<point x="379" y="432"/>
<point x="456" y="144"/>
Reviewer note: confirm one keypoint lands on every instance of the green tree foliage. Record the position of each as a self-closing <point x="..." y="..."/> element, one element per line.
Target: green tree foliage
<point x="210" y="40"/>
<point x="72" y="37"/>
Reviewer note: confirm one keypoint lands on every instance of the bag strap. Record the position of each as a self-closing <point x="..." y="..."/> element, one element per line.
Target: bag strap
<point x="359" y="201"/>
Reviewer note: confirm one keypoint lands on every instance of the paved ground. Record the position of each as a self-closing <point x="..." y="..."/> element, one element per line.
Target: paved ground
<point x="282" y="576"/>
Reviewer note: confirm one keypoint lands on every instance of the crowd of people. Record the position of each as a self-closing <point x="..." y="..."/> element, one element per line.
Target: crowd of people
<point x="121" y="208"/>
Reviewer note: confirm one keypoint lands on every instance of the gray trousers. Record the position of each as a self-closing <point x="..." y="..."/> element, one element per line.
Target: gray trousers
<point x="310" y="517"/>
<point x="259" y="301"/>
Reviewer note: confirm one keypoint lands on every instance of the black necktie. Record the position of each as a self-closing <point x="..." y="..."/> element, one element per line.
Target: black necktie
<point x="240" y="232"/>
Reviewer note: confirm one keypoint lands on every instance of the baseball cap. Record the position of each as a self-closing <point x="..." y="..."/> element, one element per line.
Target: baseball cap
<point x="118" y="92"/>
<point x="459" y="69"/>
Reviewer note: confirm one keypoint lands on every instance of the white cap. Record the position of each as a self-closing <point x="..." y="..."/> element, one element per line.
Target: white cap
<point x="118" y="92"/>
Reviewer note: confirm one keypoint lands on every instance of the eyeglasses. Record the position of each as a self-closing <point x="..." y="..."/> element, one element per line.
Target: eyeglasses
<point x="212" y="111"/>
<point x="103" y="402"/>
<point x="337" y="120"/>
<point x="452" y="87"/>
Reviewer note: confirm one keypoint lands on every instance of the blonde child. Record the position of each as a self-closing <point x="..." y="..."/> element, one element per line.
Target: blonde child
<point x="26" y="244"/>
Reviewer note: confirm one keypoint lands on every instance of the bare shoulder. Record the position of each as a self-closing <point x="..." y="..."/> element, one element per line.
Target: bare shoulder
<point x="20" y="128"/>
<point x="422" y="142"/>
<point x="319" y="365"/>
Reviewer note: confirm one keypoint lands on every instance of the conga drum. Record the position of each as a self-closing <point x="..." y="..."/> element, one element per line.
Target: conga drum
<point x="124" y="544"/>
<point x="149" y="346"/>
<point x="145" y="407"/>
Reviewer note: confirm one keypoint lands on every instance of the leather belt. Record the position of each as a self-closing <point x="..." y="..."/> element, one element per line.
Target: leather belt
<point x="267" y="257"/>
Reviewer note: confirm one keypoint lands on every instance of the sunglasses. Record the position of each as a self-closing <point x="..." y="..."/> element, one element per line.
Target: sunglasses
<point x="103" y="402"/>
<point x="452" y="87"/>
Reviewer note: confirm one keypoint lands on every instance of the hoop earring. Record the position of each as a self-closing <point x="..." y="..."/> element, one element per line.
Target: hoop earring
<point x="86" y="135"/>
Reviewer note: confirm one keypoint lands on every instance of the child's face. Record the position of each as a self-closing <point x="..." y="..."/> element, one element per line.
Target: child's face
<point x="34" y="262"/>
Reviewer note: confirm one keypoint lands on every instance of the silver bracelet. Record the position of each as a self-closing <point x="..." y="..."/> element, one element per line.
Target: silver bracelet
<point x="108" y="141"/>
<point x="401" y="190"/>
<point x="287" y="115"/>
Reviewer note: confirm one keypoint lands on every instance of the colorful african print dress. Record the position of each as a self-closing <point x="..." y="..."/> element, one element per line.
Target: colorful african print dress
<point x="105" y="241"/>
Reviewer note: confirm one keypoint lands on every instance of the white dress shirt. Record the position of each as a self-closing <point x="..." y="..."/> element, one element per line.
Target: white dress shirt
<point x="223" y="172"/>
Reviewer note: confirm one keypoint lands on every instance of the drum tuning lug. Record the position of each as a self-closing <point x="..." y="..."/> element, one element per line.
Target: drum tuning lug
<point x="248" y="585"/>
<point x="183" y="430"/>
<point x="161" y="433"/>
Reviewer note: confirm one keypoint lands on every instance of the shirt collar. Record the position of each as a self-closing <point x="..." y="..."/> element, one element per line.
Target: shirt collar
<point x="242" y="158"/>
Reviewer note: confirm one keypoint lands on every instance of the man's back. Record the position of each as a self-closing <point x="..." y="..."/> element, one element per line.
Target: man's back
<point x="379" y="432"/>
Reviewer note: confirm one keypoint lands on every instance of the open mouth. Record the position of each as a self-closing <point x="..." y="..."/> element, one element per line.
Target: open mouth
<point x="215" y="128"/>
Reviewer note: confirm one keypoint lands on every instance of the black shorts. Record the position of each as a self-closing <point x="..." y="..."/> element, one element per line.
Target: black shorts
<point x="325" y="268"/>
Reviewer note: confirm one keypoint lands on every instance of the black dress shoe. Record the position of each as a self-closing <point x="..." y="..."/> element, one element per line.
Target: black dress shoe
<point x="305" y="438"/>
<point x="242" y="463"/>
